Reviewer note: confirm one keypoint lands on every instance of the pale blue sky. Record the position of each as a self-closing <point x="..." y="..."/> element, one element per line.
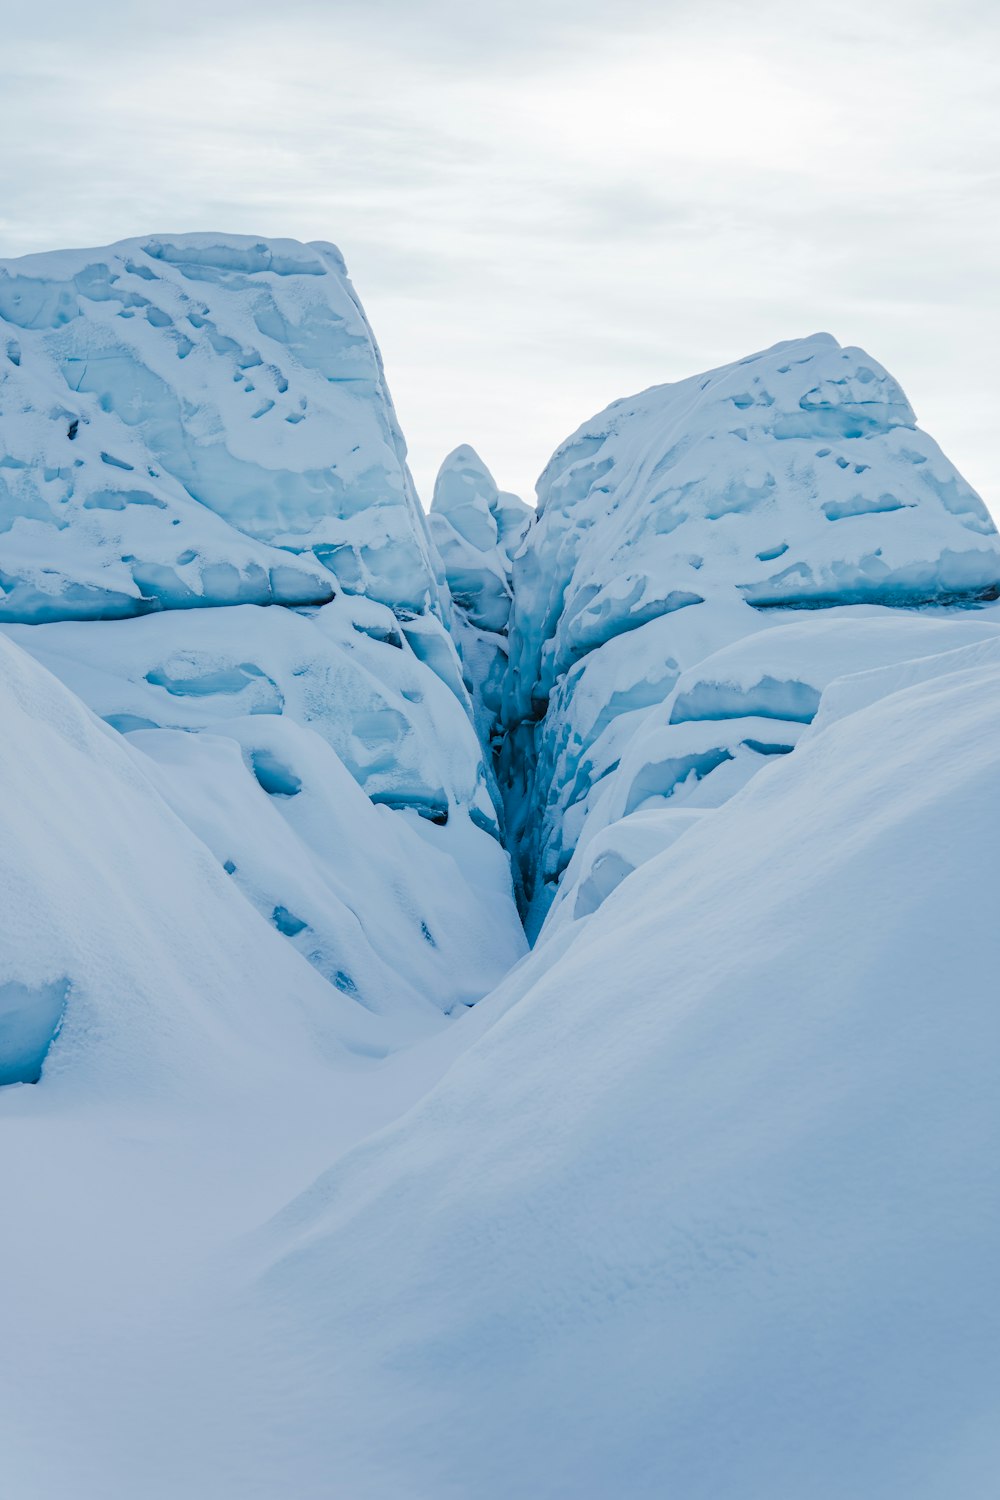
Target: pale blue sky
<point x="547" y="206"/>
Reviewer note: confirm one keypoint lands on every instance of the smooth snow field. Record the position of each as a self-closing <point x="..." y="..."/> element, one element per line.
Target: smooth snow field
<point x="317" y="1181"/>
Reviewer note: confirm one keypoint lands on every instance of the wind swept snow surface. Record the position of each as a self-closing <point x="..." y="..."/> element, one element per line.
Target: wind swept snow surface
<point x="713" y="1209"/>
<point x="710" y="1209"/>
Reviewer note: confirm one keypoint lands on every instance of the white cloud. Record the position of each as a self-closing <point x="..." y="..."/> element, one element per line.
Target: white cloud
<point x="546" y="206"/>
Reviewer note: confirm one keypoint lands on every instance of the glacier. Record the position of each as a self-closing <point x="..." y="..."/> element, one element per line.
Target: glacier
<point x="249" y="594"/>
<point x="316" y="1178"/>
<point x="778" y="493"/>
<point x="197" y="420"/>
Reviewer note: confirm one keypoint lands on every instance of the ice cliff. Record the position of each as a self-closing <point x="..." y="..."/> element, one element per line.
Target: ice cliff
<point x="208" y="532"/>
<point x="702" y="560"/>
<point x="197" y="420"/>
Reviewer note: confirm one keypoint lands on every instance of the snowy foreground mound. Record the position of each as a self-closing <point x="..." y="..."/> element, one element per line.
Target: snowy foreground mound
<point x="314" y="1182"/>
<point x="710" y="1209"/>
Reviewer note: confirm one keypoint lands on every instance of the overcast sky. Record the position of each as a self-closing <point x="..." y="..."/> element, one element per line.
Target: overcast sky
<point x="546" y="206"/>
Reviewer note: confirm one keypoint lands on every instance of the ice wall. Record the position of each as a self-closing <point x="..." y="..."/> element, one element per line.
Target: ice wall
<point x="193" y="420"/>
<point x="208" y="532"/>
<point x="787" y="489"/>
<point x="477" y="529"/>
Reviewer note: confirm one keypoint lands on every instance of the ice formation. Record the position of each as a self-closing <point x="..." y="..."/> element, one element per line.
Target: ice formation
<point x="195" y="420"/>
<point x="209" y="533"/>
<point x="314" y="1180"/>
<point x="478" y="528"/>
<point x="785" y="491"/>
<point x="122" y="929"/>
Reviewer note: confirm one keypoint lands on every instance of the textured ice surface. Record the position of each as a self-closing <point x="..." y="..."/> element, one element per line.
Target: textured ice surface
<point x="331" y="773"/>
<point x="203" y="420"/>
<point x="478" y="528"/>
<point x="197" y="419"/>
<point x="791" y="486"/>
<point x="118" y="922"/>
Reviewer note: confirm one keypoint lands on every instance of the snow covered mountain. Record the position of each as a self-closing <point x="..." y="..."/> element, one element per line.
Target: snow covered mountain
<point x="315" y="1181"/>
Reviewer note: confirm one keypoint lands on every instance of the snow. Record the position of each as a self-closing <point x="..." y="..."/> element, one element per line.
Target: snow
<point x="315" y="1181"/>
<point x="323" y="750"/>
<point x="712" y="1209"/>
<point x="704" y="1204"/>
<point x="119" y="922"/>
<point x="194" y="420"/>
<point x="311" y="757"/>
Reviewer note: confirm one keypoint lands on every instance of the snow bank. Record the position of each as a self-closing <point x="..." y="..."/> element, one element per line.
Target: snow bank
<point x="335" y="778"/>
<point x="710" y="1211"/>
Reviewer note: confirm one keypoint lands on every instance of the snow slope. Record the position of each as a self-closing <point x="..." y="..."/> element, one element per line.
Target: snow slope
<point x="713" y="1209"/>
<point x="706" y="1204"/>
<point x="331" y="773"/>
<point x="691" y="516"/>
<point x="120" y="926"/>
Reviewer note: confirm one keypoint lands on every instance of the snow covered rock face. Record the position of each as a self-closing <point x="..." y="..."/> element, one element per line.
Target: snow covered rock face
<point x="477" y="529"/>
<point x="790" y="489"/>
<point x="197" y="420"/>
